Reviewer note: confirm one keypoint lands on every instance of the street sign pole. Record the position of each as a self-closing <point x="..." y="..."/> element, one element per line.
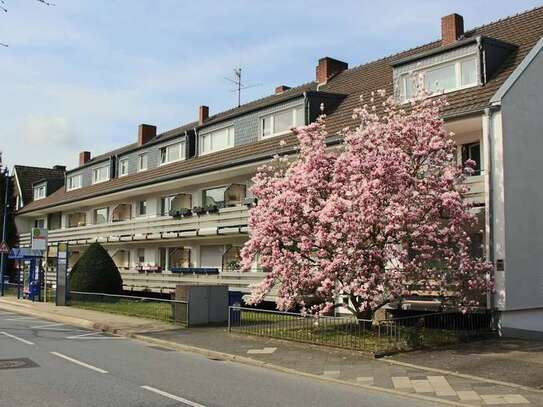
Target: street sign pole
<point x="4" y="224"/>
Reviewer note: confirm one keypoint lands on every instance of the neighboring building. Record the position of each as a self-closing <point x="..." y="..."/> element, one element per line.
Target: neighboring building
<point x="177" y="202"/>
<point x="35" y="183"/>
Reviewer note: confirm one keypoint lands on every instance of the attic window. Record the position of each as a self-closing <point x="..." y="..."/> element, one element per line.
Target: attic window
<point x="443" y="78"/>
<point x="100" y="174"/>
<point x="443" y="72"/>
<point x="40" y="191"/>
<point x="282" y="121"/>
<point x="73" y="182"/>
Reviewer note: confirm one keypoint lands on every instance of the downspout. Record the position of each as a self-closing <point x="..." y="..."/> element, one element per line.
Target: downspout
<point x="196" y="142"/>
<point x="489" y="213"/>
<point x="482" y="59"/>
<point x="307" y="109"/>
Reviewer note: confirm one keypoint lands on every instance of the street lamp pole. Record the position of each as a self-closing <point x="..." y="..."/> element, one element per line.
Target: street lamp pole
<point x="4" y="225"/>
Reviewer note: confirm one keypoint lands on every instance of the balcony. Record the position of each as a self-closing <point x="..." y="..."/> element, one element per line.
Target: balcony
<point x="226" y="221"/>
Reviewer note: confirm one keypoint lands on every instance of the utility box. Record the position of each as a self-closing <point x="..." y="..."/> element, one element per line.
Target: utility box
<point x="207" y="304"/>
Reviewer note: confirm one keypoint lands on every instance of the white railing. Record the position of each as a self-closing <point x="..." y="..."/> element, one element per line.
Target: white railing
<point x="227" y="220"/>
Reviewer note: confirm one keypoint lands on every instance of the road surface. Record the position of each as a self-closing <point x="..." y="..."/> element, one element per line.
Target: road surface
<point x="44" y="364"/>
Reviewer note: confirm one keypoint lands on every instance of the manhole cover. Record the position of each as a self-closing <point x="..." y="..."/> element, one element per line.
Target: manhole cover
<point x="16" y="363"/>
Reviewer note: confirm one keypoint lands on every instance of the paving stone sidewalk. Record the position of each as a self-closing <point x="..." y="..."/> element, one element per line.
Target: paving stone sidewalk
<point x="356" y="367"/>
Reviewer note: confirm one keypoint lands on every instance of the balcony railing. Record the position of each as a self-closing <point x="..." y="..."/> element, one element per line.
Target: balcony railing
<point x="225" y="221"/>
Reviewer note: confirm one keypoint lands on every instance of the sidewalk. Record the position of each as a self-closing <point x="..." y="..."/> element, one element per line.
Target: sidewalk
<point x="399" y="375"/>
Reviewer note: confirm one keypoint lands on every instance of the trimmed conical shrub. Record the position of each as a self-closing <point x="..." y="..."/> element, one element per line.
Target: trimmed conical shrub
<point x="95" y="271"/>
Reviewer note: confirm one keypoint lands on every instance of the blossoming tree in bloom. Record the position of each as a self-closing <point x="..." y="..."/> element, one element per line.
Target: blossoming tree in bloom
<point x="372" y="221"/>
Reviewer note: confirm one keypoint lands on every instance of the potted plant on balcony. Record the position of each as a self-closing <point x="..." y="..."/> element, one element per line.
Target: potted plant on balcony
<point x="212" y="208"/>
<point x="198" y="210"/>
<point x="185" y="212"/>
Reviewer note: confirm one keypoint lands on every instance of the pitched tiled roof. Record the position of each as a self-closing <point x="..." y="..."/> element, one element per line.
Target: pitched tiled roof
<point x="522" y="30"/>
<point x="30" y="175"/>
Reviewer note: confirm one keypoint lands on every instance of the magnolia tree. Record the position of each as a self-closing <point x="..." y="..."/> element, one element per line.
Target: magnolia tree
<point x="380" y="217"/>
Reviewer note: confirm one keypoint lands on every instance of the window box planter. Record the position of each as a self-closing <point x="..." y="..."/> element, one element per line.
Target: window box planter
<point x="198" y="210"/>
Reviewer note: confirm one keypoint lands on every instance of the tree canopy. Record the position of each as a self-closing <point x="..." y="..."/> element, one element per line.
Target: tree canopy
<point x="374" y="220"/>
<point x="95" y="271"/>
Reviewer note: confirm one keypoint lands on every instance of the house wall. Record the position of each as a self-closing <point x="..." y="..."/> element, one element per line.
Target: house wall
<point x="522" y="121"/>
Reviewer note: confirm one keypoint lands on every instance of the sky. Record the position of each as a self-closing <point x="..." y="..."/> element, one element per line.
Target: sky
<point x="82" y="75"/>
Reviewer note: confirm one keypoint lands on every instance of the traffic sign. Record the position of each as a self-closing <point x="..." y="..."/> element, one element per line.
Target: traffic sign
<point x="4" y="248"/>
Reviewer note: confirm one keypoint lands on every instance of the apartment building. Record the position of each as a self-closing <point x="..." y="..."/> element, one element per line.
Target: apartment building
<point x="173" y="206"/>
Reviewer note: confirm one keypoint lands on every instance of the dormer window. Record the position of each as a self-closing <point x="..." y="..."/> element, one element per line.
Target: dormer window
<point x="444" y="77"/>
<point x="40" y="191"/>
<point x="216" y="140"/>
<point x="281" y="122"/>
<point x="100" y="174"/>
<point x="172" y="153"/>
<point x="142" y="161"/>
<point x="123" y="167"/>
<point x="73" y="182"/>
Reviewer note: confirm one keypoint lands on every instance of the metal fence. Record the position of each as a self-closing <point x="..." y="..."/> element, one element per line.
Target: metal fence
<point x="12" y="290"/>
<point x="387" y="335"/>
<point x="144" y="307"/>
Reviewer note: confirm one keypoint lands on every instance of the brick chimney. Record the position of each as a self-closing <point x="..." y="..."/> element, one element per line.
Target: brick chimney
<point x="84" y="157"/>
<point x="281" y="88"/>
<point x="452" y="29"/>
<point x="329" y="67"/>
<point x="146" y="132"/>
<point x="203" y="114"/>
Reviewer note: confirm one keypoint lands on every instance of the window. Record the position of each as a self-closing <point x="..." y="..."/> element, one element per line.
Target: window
<point x="445" y="77"/>
<point x="141" y="257"/>
<point x="166" y="204"/>
<point x="142" y="162"/>
<point x="472" y="151"/>
<point x="142" y="208"/>
<point x="173" y="257"/>
<point x="217" y="140"/>
<point x="100" y="174"/>
<point x="40" y="191"/>
<point x="39" y="223"/>
<point x="74" y="182"/>
<point x="123" y="167"/>
<point x="214" y="196"/>
<point x="281" y="122"/>
<point x="172" y="153"/>
<point x="54" y="221"/>
<point x="100" y="216"/>
<point x="77" y="219"/>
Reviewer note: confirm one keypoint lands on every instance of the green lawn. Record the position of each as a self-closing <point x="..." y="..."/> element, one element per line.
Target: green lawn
<point x="144" y="309"/>
<point x="341" y="333"/>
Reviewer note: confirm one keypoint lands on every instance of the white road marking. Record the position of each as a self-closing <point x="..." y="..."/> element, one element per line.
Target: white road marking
<point x="17" y="338"/>
<point x="45" y="326"/>
<point x="77" y="362"/>
<point x="19" y="319"/>
<point x="173" y="397"/>
<point x="90" y="335"/>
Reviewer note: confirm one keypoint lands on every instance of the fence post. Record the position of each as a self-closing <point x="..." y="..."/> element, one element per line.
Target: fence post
<point x="229" y="323"/>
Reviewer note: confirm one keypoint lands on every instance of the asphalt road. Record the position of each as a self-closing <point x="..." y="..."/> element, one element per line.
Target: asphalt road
<point x="49" y="364"/>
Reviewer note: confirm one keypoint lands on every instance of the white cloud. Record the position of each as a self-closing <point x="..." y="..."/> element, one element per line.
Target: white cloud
<point x="49" y="131"/>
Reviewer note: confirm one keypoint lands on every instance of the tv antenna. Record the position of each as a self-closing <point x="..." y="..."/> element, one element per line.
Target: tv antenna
<point x="236" y="80"/>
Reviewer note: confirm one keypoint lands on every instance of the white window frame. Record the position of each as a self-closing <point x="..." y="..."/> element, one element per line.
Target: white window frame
<point x="79" y="177"/>
<point x="140" y="156"/>
<point x="138" y="207"/>
<point x="457" y="72"/>
<point x="41" y="190"/>
<point x="182" y="151"/>
<point x="121" y="162"/>
<point x="271" y="117"/>
<point x="230" y="135"/>
<point x="94" y="213"/>
<point x="98" y="168"/>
